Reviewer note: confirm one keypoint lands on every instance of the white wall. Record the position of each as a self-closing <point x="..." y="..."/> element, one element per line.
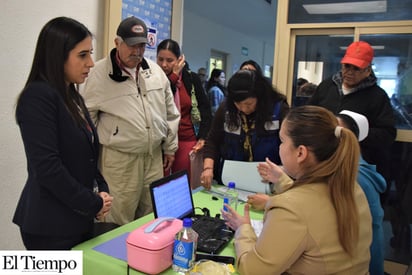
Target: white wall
<point x="20" y="24"/>
<point x="200" y="36"/>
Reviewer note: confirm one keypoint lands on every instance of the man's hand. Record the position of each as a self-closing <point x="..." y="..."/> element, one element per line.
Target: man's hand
<point x="168" y="162"/>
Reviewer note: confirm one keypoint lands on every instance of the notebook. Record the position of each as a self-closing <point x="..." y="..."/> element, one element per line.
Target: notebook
<point x="172" y="197"/>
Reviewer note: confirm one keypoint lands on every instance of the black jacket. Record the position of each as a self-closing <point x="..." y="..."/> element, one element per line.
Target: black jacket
<point x="58" y="197"/>
<point x="371" y="101"/>
<point x="190" y="78"/>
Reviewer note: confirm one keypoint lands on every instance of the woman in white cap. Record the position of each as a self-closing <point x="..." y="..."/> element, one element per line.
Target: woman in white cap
<point x="373" y="184"/>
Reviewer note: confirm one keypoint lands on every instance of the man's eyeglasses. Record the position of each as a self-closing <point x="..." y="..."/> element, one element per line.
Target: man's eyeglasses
<point x="349" y="67"/>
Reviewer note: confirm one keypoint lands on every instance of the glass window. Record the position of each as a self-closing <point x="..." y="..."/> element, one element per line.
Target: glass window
<point x="317" y="57"/>
<point x="392" y="65"/>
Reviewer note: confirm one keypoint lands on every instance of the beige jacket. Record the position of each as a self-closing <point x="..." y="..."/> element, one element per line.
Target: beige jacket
<point x="300" y="236"/>
<point x="132" y="118"/>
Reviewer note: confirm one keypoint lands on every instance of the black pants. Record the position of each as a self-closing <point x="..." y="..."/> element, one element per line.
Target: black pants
<point x="42" y="242"/>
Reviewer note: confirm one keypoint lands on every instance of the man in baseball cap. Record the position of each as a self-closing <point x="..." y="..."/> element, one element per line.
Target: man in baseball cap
<point x="355" y="88"/>
<point x="133" y="31"/>
<point x="130" y="100"/>
<point x="356" y="64"/>
<point x="359" y="54"/>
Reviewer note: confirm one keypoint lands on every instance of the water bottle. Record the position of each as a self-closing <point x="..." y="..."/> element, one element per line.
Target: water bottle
<point x="184" y="249"/>
<point x="231" y="196"/>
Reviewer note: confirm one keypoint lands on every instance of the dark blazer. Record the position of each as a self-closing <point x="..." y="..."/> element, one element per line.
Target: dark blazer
<point x="58" y="197"/>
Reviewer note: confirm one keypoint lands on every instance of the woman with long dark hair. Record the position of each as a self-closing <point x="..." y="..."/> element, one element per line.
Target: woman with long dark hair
<point x="215" y="89"/>
<point x="64" y="191"/>
<point x="251" y="65"/>
<point x="190" y="99"/>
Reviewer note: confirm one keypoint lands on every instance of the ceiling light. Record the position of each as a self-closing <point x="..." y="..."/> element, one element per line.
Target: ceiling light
<point x="347" y="7"/>
<point x="340" y="35"/>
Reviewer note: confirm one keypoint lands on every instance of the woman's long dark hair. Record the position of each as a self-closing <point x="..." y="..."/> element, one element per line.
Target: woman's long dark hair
<point x="170" y="45"/>
<point x="254" y="64"/>
<point x="212" y="82"/>
<point x="56" y="39"/>
<point x="245" y="84"/>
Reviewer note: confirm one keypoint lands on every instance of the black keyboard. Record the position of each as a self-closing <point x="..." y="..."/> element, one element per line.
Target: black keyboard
<point x="213" y="234"/>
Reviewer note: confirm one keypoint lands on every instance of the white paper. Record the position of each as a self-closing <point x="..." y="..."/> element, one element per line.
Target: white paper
<point x="257" y="226"/>
<point x="220" y="190"/>
<point x="245" y="176"/>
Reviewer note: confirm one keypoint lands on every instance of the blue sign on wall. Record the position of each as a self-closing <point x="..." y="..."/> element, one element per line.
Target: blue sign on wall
<point x="245" y="51"/>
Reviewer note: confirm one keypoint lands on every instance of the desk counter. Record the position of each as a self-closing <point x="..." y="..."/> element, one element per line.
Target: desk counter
<point x="98" y="263"/>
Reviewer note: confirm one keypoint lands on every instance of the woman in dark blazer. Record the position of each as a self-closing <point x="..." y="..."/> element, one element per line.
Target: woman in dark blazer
<point x="64" y="191"/>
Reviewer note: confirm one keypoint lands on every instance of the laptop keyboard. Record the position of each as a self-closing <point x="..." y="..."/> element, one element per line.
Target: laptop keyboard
<point x="213" y="234"/>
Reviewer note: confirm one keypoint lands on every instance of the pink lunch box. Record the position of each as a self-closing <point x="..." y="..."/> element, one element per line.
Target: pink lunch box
<point x="150" y="247"/>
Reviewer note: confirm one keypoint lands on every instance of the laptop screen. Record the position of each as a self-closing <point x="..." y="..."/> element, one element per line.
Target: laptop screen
<point x="172" y="196"/>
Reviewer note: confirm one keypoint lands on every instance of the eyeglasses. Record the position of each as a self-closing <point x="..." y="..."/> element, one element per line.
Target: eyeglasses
<point x="349" y="67"/>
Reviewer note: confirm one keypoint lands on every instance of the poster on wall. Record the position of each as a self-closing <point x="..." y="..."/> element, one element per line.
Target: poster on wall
<point x="157" y="14"/>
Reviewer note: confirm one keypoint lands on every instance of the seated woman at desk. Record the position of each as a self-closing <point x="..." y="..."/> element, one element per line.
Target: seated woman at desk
<point x="246" y="125"/>
<point x="371" y="182"/>
<point x="319" y="224"/>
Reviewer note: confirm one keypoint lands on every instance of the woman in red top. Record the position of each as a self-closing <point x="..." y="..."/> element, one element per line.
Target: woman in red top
<point x="190" y="99"/>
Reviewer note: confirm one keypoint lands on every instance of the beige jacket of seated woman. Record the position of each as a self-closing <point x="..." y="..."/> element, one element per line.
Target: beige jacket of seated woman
<point x="300" y="235"/>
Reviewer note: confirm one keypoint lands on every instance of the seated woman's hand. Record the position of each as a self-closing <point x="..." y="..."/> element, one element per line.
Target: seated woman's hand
<point x="233" y="219"/>
<point x="258" y="201"/>
<point x="269" y="171"/>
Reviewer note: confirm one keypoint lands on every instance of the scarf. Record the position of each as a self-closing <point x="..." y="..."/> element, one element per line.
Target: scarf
<point x="247" y="144"/>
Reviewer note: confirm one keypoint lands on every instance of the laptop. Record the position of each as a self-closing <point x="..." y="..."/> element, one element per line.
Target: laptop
<point x="172" y="197"/>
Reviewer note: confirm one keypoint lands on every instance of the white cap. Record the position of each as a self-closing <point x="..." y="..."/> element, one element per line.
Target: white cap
<point x="361" y="122"/>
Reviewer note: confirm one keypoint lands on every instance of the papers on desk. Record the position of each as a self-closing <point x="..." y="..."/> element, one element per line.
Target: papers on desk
<point x="245" y="175"/>
<point x="257" y="226"/>
<point x="220" y="190"/>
